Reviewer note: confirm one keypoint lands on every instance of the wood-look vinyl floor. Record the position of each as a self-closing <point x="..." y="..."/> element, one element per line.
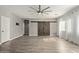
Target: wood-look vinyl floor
<point x="42" y="44"/>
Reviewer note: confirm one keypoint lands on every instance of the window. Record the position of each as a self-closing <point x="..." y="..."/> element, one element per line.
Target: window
<point x="68" y="26"/>
<point x="61" y="26"/>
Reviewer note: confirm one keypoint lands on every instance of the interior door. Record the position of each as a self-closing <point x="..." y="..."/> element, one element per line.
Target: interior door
<point x="46" y="28"/>
<point x="5" y="29"/>
<point x="40" y="28"/>
<point x="43" y="28"/>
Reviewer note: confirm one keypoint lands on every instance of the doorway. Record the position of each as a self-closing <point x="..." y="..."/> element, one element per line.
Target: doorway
<point x="43" y="28"/>
<point x="26" y="27"/>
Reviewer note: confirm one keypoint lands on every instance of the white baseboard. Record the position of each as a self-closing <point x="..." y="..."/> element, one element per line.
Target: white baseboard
<point x="16" y="37"/>
<point x="11" y="39"/>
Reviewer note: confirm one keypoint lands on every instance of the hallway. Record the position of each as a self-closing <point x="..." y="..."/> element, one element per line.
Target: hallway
<point x="40" y="44"/>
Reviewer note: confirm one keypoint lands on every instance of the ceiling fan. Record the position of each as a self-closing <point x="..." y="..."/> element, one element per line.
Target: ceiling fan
<point x="39" y="10"/>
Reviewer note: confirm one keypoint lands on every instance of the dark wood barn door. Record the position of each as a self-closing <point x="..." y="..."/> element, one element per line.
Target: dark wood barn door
<point x="43" y="28"/>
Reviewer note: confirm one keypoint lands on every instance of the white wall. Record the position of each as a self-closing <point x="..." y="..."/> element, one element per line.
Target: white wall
<point x="16" y="31"/>
<point x="33" y="29"/>
<point x="53" y="29"/>
<point x="71" y="33"/>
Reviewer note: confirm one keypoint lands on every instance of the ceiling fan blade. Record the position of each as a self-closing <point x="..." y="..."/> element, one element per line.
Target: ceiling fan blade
<point x="31" y="11"/>
<point x="45" y="9"/>
<point x="34" y="14"/>
<point x="33" y="8"/>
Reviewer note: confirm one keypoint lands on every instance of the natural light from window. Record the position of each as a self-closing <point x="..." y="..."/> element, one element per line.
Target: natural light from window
<point x="68" y="26"/>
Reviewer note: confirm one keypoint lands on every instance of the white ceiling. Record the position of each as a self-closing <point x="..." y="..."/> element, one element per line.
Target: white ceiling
<point x="23" y="11"/>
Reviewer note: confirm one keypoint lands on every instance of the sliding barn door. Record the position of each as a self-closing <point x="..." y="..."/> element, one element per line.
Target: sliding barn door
<point x="43" y="28"/>
<point x="40" y="28"/>
<point x="46" y="28"/>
